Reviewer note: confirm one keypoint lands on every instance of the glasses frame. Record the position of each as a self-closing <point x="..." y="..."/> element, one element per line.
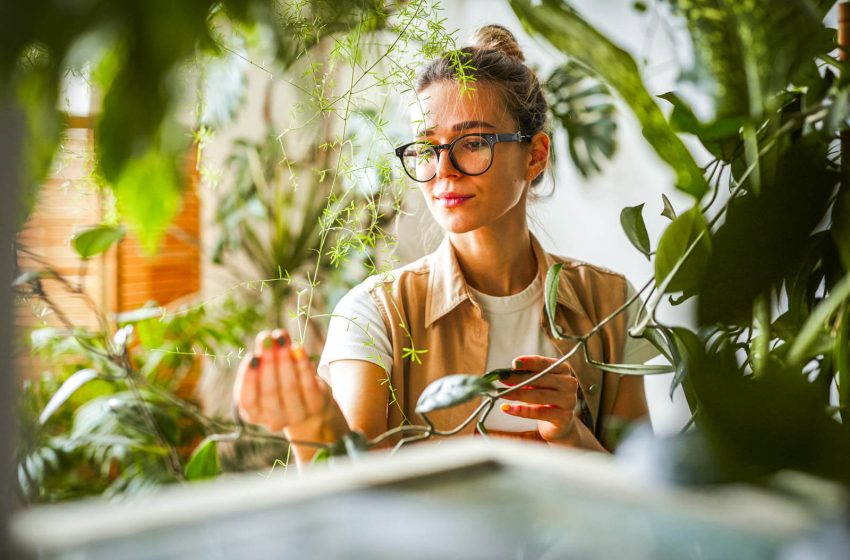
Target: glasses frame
<point x="491" y="138"/>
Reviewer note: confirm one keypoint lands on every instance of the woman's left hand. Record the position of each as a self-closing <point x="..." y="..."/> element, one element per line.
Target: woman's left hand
<point x="551" y="400"/>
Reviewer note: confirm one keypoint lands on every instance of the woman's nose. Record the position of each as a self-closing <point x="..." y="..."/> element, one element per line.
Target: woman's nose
<point x="445" y="167"/>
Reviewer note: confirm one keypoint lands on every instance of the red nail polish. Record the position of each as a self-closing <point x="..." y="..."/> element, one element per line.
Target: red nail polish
<point x="255" y="362"/>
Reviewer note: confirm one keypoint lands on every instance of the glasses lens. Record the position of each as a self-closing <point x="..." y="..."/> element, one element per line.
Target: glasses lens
<point x="420" y="161"/>
<point x="472" y="154"/>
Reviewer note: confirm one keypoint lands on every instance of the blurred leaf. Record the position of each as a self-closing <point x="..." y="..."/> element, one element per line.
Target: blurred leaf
<point x="841" y="223"/>
<point x="38" y="93"/>
<point x="816" y="323"/>
<point x="355" y="444"/>
<point x="553" y="276"/>
<point x="631" y="218"/>
<point x="149" y="196"/>
<point x="668" y="211"/>
<point x="764" y="236"/>
<point x="68" y="388"/>
<point x="568" y="32"/>
<point x="720" y="137"/>
<point x="140" y="314"/>
<point x="451" y="390"/>
<point x="584" y="107"/>
<point x="94" y="241"/>
<point x="674" y="243"/>
<point x="841" y="358"/>
<point x="748" y="50"/>
<point x="204" y="462"/>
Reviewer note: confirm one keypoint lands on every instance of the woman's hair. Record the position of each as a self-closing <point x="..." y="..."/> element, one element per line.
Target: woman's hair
<point x="495" y="59"/>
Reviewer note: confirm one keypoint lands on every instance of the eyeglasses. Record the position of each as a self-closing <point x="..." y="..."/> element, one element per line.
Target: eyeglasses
<point x="471" y="154"/>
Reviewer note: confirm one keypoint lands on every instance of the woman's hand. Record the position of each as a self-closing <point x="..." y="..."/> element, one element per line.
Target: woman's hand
<point x="278" y="388"/>
<point x="551" y="400"/>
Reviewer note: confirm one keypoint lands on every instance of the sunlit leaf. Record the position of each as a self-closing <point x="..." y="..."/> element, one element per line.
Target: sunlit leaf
<point x="669" y="212"/>
<point x="688" y="228"/>
<point x="571" y="34"/>
<point x="451" y="390"/>
<point x="149" y="194"/>
<point x="631" y="218"/>
<point x="204" y="461"/>
<point x="94" y="241"/>
<point x="68" y="388"/>
<point x="553" y="276"/>
<point x="815" y="324"/>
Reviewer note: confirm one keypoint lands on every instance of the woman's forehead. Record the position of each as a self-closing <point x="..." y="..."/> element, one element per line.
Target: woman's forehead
<point x="443" y="107"/>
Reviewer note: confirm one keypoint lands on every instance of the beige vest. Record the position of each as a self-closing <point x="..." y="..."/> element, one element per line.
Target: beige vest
<point x="426" y="305"/>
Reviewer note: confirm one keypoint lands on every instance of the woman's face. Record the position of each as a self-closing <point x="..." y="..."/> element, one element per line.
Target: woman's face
<point x="496" y="199"/>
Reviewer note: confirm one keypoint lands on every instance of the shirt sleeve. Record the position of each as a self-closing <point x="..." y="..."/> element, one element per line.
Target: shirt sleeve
<point x="356" y="332"/>
<point x="636" y="350"/>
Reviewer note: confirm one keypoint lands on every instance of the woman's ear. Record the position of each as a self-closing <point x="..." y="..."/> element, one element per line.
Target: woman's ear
<point x="539" y="156"/>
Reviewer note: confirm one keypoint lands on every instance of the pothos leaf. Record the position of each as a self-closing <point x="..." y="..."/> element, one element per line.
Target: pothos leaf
<point x="584" y="107"/>
<point x="553" y="276"/>
<point x="93" y="241"/>
<point x="204" y="461"/>
<point x="669" y="212"/>
<point x="687" y="229"/>
<point x="451" y="390"/>
<point x="631" y="218"/>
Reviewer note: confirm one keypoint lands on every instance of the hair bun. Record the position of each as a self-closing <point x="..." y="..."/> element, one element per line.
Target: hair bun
<point x="497" y="38"/>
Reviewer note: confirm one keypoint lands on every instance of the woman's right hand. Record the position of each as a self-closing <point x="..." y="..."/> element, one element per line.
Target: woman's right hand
<point x="278" y="388"/>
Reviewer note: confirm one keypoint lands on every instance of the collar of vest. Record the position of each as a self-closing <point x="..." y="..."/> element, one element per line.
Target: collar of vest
<point x="447" y="287"/>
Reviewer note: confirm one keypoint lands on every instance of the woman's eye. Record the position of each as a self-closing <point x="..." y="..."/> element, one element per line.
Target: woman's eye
<point x="474" y="144"/>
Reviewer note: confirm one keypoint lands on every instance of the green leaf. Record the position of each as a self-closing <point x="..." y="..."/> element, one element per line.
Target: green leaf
<point x="685" y="230"/>
<point x="584" y="107"/>
<point x="451" y="390"/>
<point x="632" y="369"/>
<point x="68" y="388"/>
<point x="660" y="339"/>
<point x="816" y="323"/>
<point x="764" y="237"/>
<point x="553" y="276"/>
<point x="841" y="359"/>
<point x="355" y="444"/>
<point x="204" y="462"/>
<point x="321" y="456"/>
<point x="668" y="211"/>
<point x="840" y="229"/>
<point x="571" y="34"/>
<point x="149" y="195"/>
<point x="686" y="348"/>
<point x="747" y="51"/>
<point x="96" y="240"/>
<point x="720" y="137"/>
<point x="631" y="218"/>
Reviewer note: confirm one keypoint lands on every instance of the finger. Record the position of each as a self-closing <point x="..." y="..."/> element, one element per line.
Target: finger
<point x="245" y="389"/>
<point x="539" y="396"/>
<point x="272" y="406"/>
<point x="293" y="400"/>
<point x="544" y="412"/>
<point x="315" y="394"/>
<point x="539" y="363"/>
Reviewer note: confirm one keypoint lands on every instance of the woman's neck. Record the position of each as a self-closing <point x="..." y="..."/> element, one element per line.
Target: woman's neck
<point x="494" y="263"/>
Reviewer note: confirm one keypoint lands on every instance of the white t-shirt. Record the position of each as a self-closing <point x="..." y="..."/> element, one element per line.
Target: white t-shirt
<point x="357" y="332"/>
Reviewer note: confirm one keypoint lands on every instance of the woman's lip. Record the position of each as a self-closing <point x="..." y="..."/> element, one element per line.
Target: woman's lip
<point x="452" y="200"/>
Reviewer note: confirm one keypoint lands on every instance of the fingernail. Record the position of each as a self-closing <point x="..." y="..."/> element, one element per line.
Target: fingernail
<point x="297" y="353"/>
<point x="267" y="342"/>
<point x="505" y="407"/>
<point x="255" y="362"/>
<point x="282" y="340"/>
<point x="517" y="364"/>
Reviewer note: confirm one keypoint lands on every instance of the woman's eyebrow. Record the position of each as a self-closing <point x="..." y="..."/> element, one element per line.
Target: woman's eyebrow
<point x="459" y="126"/>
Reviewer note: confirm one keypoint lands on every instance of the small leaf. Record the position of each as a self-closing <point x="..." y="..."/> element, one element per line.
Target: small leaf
<point x="500" y="374"/>
<point x="553" y="276"/>
<point x="673" y="246"/>
<point x="96" y="240"/>
<point x="809" y="335"/>
<point x="321" y="456"/>
<point x="68" y="388"/>
<point x="451" y="390"/>
<point x="139" y="315"/>
<point x="668" y="211"/>
<point x="632" y="369"/>
<point x="659" y="338"/>
<point x="631" y="218"/>
<point x="204" y="461"/>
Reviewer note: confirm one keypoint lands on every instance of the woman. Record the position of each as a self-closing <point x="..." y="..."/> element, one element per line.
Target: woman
<point x="473" y="305"/>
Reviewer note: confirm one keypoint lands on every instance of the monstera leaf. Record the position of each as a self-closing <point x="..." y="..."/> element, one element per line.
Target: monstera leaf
<point x="584" y="107"/>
